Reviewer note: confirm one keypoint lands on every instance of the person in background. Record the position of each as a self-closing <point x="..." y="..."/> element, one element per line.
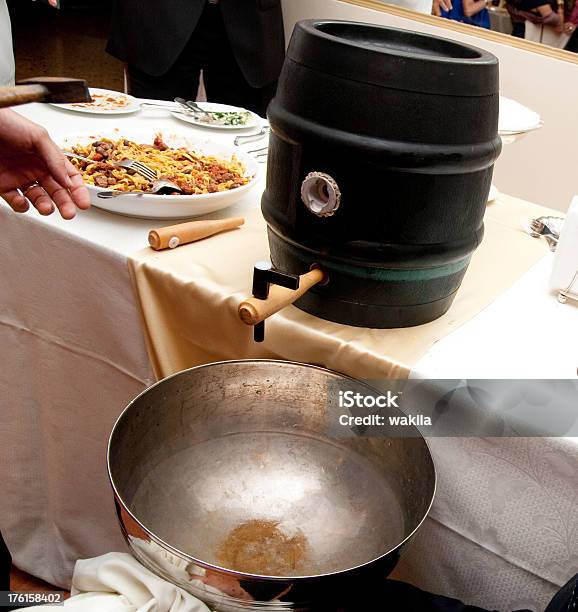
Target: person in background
<point x="570" y="28"/>
<point x="238" y="44"/>
<point x="534" y="11"/>
<point x="472" y="12"/>
<point x="439" y="5"/>
<point x="518" y="19"/>
<point x="426" y="7"/>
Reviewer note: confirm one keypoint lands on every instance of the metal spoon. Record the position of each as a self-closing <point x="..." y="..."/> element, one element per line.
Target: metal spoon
<point x="156" y="188"/>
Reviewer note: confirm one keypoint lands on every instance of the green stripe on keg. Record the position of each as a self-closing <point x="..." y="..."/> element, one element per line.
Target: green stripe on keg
<point x="390" y="274"/>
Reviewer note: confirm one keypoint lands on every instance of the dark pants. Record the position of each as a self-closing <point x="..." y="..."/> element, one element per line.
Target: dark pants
<point x="572" y="44"/>
<point x="566" y="599"/>
<point x="402" y="597"/>
<point x="5" y="565"/>
<point x="518" y="29"/>
<point x="208" y="50"/>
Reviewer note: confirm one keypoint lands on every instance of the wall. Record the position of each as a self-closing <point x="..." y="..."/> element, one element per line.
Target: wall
<point x="67" y="42"/>
<point x="542" y="167"/>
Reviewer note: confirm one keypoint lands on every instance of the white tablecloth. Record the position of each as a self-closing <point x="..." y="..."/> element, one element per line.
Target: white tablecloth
<point x="503" y="531"/>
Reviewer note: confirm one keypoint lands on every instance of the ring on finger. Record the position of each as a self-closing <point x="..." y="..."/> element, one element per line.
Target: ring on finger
<point x="34" y="192"/>
<point x="24" y="190"/>
<point x="37" y="194"/>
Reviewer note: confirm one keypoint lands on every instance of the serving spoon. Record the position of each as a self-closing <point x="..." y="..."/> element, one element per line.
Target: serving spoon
<point x="156" y="188"/>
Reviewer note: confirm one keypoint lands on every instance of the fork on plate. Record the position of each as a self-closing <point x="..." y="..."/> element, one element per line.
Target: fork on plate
<point x="157" y="186"/>
<point x="127" y="164"/>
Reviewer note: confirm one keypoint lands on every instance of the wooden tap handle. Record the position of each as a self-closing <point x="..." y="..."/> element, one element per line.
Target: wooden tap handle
<point x="22" y="94"/>
<point x="183" y="233"/>
<point x="253" y="311"/>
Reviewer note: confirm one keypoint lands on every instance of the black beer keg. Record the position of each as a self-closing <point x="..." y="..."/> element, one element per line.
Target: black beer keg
<point x="380" y="163"/>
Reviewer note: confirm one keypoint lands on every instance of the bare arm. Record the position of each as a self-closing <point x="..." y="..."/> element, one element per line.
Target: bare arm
<point x="570" y="25"/>
<point x="473" y="7"/>
<point x="439" y="5"/>
<point x="549" y="17"/>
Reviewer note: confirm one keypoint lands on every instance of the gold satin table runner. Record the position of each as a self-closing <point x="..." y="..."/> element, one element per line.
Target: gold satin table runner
<point x="189" y="298"/>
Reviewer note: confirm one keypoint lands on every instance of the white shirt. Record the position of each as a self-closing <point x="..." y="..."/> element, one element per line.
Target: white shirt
<point x="6" y="52"/>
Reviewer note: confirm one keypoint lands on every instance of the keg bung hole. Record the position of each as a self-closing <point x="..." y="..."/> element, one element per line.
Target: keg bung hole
<point x="320" y="194"/>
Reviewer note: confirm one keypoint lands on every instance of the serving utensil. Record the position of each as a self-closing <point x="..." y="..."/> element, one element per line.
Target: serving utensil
<point x="247" y="138"/>
<point x="549" y="228"/>
<point x="259" y="151"/>
<point x="175" y="108"/>
<point x="196" y="108"/>
<point x="127" y="164"/>
<point x="189" y="105"/>
<point x="55" y="90"/>
<point x="157" y="186"/>
<point x="214" y="117"/>
<point x="547" y="225"/>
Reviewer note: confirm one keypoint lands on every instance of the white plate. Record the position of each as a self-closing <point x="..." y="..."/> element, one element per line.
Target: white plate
<point x="494" y="193"/>
<point x="510" y="137"/>
<point x="515" y="118"/>
<point x="253" y="120"/>
<point x="150" y="206"/>
<point x="132" y="105"/>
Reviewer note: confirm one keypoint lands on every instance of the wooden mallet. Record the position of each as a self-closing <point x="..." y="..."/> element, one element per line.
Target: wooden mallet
<point x="56" y="90"/>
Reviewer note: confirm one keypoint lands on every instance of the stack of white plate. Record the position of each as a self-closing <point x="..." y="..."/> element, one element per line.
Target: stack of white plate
<point x="516" y="120"/>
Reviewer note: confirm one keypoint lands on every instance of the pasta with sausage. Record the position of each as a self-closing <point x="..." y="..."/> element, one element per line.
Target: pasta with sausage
<point x="193" y="173"/>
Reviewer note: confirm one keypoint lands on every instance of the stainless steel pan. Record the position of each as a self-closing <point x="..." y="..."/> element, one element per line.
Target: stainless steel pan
<point x="231" y="481"/>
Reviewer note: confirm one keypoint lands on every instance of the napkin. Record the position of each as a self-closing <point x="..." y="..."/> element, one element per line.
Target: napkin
<point x="566" y="259"/>
<point x="116" y="582"/>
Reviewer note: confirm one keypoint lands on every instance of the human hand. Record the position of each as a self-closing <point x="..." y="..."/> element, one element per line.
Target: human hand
<point x="53" y="3"/>
<point x="569" y="27"/>
<point x="33" y="170"/>
<point x="438" y="5"/>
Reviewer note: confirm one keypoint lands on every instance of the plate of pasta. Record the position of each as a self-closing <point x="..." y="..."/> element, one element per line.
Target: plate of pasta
<point x="209" y="176"/>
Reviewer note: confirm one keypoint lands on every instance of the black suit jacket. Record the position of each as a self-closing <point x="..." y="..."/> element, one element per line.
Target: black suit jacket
<point x="151" y="34"/>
